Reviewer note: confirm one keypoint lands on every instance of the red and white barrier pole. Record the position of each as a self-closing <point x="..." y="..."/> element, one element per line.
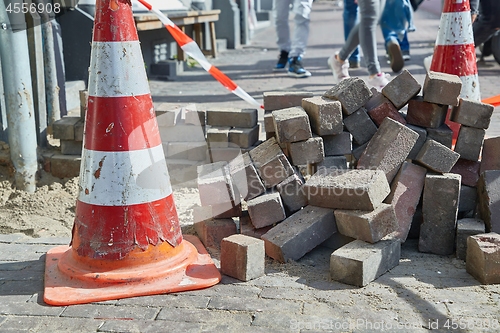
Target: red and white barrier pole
<point x="189" y="46"/>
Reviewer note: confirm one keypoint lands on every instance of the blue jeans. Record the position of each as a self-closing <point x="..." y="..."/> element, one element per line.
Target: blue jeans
<point x="404" y="44"/>
<point x="364" y="34"/>
<point x="350" y="17"/>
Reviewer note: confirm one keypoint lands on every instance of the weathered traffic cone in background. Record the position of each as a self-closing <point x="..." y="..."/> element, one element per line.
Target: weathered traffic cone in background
<point x="126" y="236"/>
<point x="454" y="52"/>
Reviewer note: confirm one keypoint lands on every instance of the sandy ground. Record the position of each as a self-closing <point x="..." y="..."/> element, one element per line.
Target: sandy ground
<point x="50" y="211"/>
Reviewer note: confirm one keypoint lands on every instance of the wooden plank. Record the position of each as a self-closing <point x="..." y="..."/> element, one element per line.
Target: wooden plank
<point x="151" y="25"/>
<point x="213" y="40"/>
<point x="196" y="18"/>
<point x="151" y="22"/>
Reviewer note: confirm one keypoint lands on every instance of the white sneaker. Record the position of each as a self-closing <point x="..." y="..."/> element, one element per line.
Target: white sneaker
<point x="340" y="71"/>
<point x="379" y="81"/>
<point x="427" y="63"/>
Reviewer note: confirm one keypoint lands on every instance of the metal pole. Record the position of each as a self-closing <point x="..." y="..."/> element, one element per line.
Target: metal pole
<point x="18" y="98"/>
<point x="53" y="107"/>
<point x="35" y="47"/>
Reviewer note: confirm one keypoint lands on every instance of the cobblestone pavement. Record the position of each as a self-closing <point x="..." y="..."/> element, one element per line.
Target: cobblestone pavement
<point x="422" y="293"/>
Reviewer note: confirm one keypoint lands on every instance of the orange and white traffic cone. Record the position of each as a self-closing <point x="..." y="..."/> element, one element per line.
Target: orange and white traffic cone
<point x="126" y="237"/>
<point x="454" y="52"/>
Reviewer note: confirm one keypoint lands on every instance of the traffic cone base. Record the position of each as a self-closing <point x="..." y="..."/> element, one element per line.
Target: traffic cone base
<point x="494" y="100"/>
<point x="160" y="269"/>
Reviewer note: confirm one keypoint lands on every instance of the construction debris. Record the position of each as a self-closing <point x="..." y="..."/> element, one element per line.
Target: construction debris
<point x="357" y="170"/>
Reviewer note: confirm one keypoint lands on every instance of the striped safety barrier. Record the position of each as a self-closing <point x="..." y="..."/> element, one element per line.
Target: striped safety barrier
<point x="189" y="46"/>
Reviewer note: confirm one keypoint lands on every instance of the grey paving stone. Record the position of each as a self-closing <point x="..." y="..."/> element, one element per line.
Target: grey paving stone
<point x="436" y="156"/>
<point x="359" y="263"/>
<point x="465" y="228"/>
<point x="48" y="324"/>
<point x="14" y="298"/>
<point x="422" y="137"/>
<point x="470" y="142"/>
<point x="204" y="316"/>
<point x="299" y="233"/>
<point x="246" y="118"/>
<point x="231" y="303"/>
<point x="483" y="257"/>
<point x="292" y="322"/>
<point x="352" y="93"/>
<point x="110" y="312"/>
<point x="22" y="252"/>
<point x="29" y="309"/>
<point x="242" y="257"/>
<point x="237" y="290"/>
<point x="369" y="226"/>
<point x="443" y="134"/>
<point x="328" y="308"/>
<point x="442" y="88"/>
<point x="292" y="194"/>
<point x="360" y="125"/>
<point x="272" y="279"/>
<point x="12" y="238"/>
<point x="21" y="275"/>
<point x="21" y="287"/>
<point x="325" y="115"/>
<point x="472" y="113"/>
<point x="347" y="189"/>
<point x="425" y="114"/>
<point x="401" y="89"/>
<point x="173" y="300"/>
<point x="440" y="209"/>
<point x="304" y="295"/>
<point x="388" y="148"/>
<point x="46" y="240"/>
<point x="148" y="326"/>
<point x="240" y="329"/>
<point x="34" y="265"/>
<point x="291" y="125"/>
<point x="275" y="100"/>
<point x="489" y="198"/>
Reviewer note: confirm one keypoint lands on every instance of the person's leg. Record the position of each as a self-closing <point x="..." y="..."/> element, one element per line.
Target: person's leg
<point x="350" y="44"/>
<point x="369" y="11"/>
<point x="350" y="18"/>
<point x="487" y="22"/>
<point x="281" y="10"/>
<point x="405" y="44"/>
<point x="302" y="13"/>
<point x="393" y="49"/>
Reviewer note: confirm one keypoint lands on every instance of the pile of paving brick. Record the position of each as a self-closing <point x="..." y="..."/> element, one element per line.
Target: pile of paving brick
<point x="359" y="171"/>
<point x="182" y="131"/>
<point x="69" y="130"/>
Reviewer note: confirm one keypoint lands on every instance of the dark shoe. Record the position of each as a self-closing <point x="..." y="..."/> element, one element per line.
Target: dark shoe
<point x="395" y="56"/>
<point x="353" y="64"/>
<point x="282" y="61"/>
<point x="406" y="55"/>
<point x="296" y="69"/>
